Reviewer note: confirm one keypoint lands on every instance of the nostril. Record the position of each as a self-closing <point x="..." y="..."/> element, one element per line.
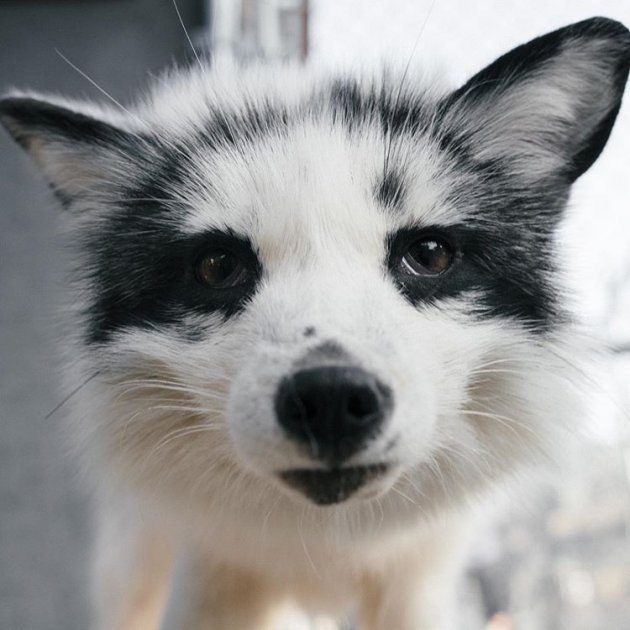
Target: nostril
<point x="361" y="404"/>
<point x="309" y="408"/>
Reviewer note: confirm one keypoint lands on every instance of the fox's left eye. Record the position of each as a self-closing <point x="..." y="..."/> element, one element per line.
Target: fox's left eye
<point x="430" y="255"/>
<point x="221" y="269"/>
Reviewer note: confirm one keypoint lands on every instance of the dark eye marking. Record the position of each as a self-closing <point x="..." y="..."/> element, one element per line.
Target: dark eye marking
<point x="510" y="280"/>
<point x="158" y="280"/>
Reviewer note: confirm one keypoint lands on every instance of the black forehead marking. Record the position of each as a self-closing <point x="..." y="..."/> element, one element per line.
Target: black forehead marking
<point x="390" y="189"/>
<point x="348" y="103"/>
<point x="245" y="125"/>
<point x="389" y="104"/>
<point x="392" y="109"/>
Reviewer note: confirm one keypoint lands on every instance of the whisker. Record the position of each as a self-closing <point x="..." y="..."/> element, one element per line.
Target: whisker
<point x="304" y="547"/>
<point x="453" y="449"/>
<point x="181" y="21"/>
<point x="75" y="391"/>
<point x="199" y="397"/>
<point x="433" y="465"/>
<point x="177" y="402"/>
<point x="175" y="435"/>
<point x="503" y="420"/>
<point x="402" y="82"/>
<point x="482" y="371"/>
<point x="131" y="386"/>
<point x="193" y="409"/>
<point x="94" y="83"/>
<point x="403" y="495"/>
<point x="183" y="432"/>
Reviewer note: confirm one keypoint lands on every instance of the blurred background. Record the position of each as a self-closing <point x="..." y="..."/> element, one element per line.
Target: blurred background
<point x="561" y="561"/>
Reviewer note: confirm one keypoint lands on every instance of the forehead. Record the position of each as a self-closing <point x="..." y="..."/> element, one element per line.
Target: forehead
<point x="346" y="171"/>
<point x="315" y="182"/>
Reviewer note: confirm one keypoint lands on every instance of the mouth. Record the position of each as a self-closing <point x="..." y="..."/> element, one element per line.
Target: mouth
<point x="335" y="485"/>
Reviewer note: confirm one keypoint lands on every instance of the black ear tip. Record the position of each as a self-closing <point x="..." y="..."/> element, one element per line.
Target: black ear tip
<point x="13" y="106"/>
<point x="27" y="118"/>
<point x="615" y="33"/>
<point x="19" y="110"/>
<point x="24" y="108"/>
<point x="14" y="116"/>
<point x="602" y="26"/>
<point x="615" y="38"/>
<point x="8" y="109"/>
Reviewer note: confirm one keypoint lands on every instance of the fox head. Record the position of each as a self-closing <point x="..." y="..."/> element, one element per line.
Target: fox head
<point x="329" y="289"/>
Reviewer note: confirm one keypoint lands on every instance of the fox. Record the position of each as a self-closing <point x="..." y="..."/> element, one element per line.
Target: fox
<point x="317" y="320"/>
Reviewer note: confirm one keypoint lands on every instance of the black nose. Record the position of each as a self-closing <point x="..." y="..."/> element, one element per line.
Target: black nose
<point x="332" y="410"/>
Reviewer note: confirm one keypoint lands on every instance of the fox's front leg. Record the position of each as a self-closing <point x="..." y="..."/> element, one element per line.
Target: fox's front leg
<point x="210" y="595"/>
<point x="417" y="589"/>
<point x="132" y="567"/>
<point x="409" y="602"/>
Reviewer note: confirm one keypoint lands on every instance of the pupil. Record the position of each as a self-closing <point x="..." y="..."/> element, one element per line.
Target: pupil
<point x="429" y="254"/>
<point x="217" y="268"/>
<point x="426" y="252"/>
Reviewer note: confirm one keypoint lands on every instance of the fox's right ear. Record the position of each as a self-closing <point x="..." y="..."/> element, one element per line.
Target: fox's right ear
<point x="549" y="105"/>
<point x="78" y="153"/>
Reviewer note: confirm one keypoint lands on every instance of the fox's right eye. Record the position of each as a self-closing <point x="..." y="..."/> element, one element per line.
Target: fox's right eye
<point x="428" y="256"/>
<point x="221" y="269"/>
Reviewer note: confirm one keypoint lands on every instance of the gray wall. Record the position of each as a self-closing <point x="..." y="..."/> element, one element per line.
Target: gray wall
<point x="44" y="530"/>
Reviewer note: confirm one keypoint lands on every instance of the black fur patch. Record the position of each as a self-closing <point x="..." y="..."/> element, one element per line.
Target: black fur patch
<point x="142" y="268"/>
<point x="390" y="189"/>
<point x="245" y="125"/>
<point x="153" y="283"/>
<point x="390" y="105"/>
<point x="508" y="267"/>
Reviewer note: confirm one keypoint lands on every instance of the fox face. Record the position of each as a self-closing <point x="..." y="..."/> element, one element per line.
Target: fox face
<point x="328" y="290"/>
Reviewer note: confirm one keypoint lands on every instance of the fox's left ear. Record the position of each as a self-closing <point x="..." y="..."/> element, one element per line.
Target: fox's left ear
<point x="80" y="154"/>
<point x="546" y="107"/>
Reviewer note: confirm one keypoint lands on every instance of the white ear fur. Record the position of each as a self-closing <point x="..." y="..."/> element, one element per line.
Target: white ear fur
<point x="547" y="106"/>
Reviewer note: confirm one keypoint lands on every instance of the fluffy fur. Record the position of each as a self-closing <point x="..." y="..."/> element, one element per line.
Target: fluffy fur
<point x="319" y="186"/>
